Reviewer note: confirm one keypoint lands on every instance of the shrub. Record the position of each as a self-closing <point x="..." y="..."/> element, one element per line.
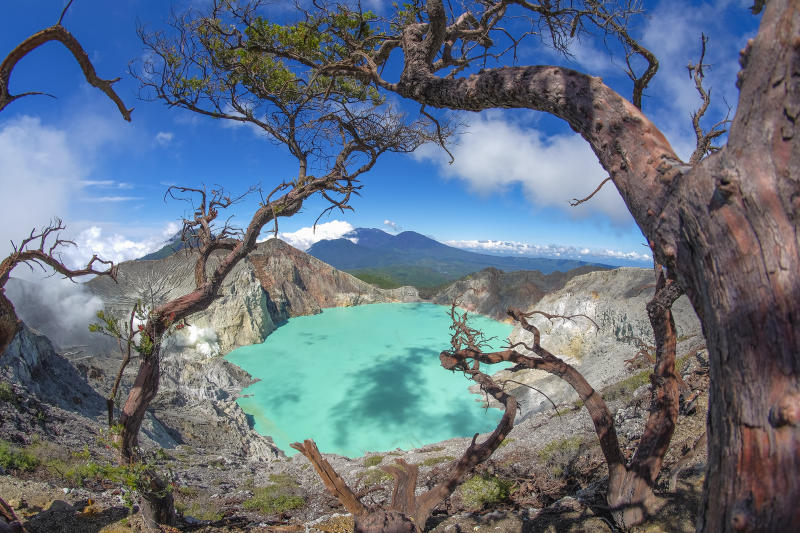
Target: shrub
<point x="7" y="393"/>
<point x="373" y="476"/>
<point x="281" y="496"/>
<point x="375" y="460"/>
<point x="561" y="454"/>
<point x="430" y="461"/>
<point x="481" y="490"/>
<point x="16" y="459"/>
<point x="626" y="387"/>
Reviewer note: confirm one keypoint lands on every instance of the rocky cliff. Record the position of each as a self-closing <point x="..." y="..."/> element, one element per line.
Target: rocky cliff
<point x="491" y="292"/>
<point x="598" y="346"/>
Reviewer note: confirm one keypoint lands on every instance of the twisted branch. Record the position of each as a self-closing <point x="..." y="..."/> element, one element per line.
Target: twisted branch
<point x="60" y="34"/>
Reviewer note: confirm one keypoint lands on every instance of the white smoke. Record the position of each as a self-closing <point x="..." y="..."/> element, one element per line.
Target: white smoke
<point x="58" y="308"/>
<point x="204" y="340"/>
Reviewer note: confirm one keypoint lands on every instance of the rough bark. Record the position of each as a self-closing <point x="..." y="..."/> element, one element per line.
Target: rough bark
<point x="9" y="323"/>
<point x="727" y="228"/>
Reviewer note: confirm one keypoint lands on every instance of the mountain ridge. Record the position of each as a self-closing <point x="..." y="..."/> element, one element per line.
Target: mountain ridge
<point x="377" y="252"/>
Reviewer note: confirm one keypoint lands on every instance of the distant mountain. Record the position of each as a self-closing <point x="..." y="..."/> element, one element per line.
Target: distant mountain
<point x="171" y="245"/>
<point x="414" y="259"/>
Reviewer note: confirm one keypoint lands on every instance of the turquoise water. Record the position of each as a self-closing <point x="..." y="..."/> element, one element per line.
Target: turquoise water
<point x="365" y="378"/>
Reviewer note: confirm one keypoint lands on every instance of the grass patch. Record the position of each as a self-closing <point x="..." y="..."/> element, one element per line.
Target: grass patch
<point x="16" y="459"/>
<point x="505" y="442"/>
<point x="626" y="387"/>
<point x="7" y="393"/>
<point x="374" y="476"/>
<point x="430" y="461"/>
<point x="570" y="444"/>
<point x="281" y="496"/>
<point x="200" y="507"/>
<point x="560" y="455"/>
<point x="374" y="460"/>
<point x="481" y="490"/>
<point x="432" y="449"/>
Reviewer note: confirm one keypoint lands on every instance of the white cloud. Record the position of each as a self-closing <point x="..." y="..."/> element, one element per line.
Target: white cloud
<point x="393" y="226"/>
<point x="305" y="237"/>
<point x="43" y="170"/>
<point x="36" y="176"/>
<point x="116" y="247"/>
<point x="57" y="307"/>
<point x="550" y="250"/>
<point x="495" y="153"/>
<point x="164" y="138"/>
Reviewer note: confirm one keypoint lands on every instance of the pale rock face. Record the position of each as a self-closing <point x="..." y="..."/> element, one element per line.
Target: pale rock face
<point x="614" y="300"/>
<point x="23" y="359"/>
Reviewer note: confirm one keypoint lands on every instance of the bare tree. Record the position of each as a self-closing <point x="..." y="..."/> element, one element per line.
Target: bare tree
<point x="41" y="248"/>
<point x="630" y="487"/>
<point x="725" y="229"/>
<point x="9" y="322"/>
<point x="324" y="124"/>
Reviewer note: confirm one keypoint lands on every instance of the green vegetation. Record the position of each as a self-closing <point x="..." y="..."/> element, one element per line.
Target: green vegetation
<point x="430" y="461"/>
<point x="561" y="454"/>
<point x="481" y="490"/>
<point x="13" y="458"/>
<point x="506" y="442"/>
<point x="7" y="393"/>
<point x="282" y="495"/>
<point x="626" y="387"/>
<point x="557" y="447"/>
<point x="393" y="276"/>
<point x="375" y="460"/>
<point x="189" y="502"/>
<point x="374" y="476"/>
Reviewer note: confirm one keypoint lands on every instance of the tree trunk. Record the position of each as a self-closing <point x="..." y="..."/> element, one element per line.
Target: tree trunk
<point x="9" y="323"/>
<point x="158" y="506"/>
<point x="630" y="491"/>
<point x="737" y="255"/>
<point x="727" y="228"/>
<point x="144" y="390"/>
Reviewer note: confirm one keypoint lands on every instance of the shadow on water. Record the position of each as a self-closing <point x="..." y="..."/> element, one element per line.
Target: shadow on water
<point x="251" y="420"/>
<point x="381" y="396"/>
<point x="389" y="394"/>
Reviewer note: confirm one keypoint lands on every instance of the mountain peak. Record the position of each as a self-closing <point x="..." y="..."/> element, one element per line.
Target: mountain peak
<point x="368" y="237"/>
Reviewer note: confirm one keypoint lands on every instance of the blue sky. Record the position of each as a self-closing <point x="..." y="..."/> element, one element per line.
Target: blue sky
<point x="514" y="174"/>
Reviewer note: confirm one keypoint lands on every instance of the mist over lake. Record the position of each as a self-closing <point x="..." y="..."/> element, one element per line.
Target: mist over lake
<point x="364" y="378"/>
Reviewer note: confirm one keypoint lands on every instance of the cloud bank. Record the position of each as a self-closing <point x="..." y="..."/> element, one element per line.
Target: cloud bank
<point x="303" y="238"/>
<point x="494" y="153"/>
<point x="555" y="251"/>
<point x="37" y="173"/>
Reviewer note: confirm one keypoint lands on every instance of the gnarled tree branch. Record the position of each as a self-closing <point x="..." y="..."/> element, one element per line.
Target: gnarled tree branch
<point x="60" y="34"/>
